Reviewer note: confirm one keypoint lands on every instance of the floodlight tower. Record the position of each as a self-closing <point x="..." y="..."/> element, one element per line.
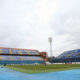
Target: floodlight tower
<point x="50" y="41"/>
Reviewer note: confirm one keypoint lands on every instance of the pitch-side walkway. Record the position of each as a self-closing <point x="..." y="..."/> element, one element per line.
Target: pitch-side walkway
<point x="7" y="74"/>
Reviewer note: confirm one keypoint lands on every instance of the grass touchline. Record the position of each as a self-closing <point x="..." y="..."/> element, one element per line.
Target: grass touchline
<point x="41" y="68"/>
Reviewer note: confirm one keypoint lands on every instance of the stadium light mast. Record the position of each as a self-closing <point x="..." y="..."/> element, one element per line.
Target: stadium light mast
<point x="50" y="41"/>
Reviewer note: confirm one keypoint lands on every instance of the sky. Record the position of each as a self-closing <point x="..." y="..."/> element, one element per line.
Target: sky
<point x="29" y="23"/>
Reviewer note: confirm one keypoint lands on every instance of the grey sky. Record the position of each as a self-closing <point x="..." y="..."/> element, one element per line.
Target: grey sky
<point x="29" y="23"/>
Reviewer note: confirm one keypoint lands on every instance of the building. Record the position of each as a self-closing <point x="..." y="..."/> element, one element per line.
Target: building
<point x="21" y="56"/>
<point x="68" y="57"/>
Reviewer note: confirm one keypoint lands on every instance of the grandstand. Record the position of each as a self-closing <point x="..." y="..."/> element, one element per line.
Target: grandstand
<point x="21" y="56"/>
<point x="68" y="56"/>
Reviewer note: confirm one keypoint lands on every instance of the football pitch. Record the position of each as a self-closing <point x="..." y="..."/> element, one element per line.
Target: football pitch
<point x="31" y="69"/>
<point x="8" y="74"/>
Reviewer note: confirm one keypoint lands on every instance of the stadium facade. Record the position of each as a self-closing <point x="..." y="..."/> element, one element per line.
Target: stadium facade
<point x="68" y="57"/>
<point x="21" y="56"/>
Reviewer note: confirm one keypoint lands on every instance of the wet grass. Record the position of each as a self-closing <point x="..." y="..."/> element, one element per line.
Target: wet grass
<point x="42" y="68"/>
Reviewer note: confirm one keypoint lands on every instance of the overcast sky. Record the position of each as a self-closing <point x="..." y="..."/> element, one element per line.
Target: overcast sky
<point x="29" y="23"/>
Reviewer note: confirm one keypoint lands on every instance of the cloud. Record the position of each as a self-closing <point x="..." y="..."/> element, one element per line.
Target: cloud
<point x="67" y="25"/>
<point x="28" y="24"/>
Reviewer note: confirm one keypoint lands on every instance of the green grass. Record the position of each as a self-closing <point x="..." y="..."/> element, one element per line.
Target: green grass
<point x="42" y="69"/>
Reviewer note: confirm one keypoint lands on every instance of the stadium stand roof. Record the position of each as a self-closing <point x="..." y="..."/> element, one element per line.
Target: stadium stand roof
<point x="69" y="54"/>
<point x="18" y="51"/>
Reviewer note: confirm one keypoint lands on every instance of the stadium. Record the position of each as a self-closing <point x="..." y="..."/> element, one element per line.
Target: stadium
<point x="68" y="57"/>
<point x="21" y="56"/>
